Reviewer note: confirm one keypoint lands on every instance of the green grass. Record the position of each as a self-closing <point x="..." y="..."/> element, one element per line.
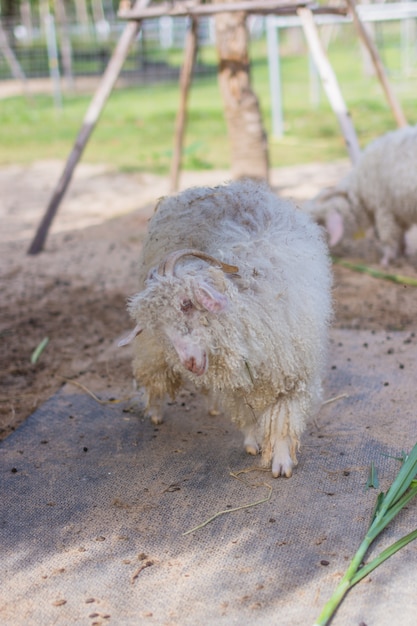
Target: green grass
<point x="135" y="131"/>
<point x="388" y="506"/>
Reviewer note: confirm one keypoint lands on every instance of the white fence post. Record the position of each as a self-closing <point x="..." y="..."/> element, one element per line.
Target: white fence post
<point x="52" y="46"/>
<point x="275" y="78"/>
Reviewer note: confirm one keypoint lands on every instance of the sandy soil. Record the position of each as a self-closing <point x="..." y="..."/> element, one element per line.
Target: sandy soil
<point x="74" y="292"/>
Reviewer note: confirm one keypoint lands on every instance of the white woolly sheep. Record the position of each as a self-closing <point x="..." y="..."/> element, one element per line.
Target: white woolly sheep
<point x="380" y="191"/>
<point x="235" y="296"/>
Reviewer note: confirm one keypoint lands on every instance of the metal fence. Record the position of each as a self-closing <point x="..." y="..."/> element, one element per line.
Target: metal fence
<point x="47" y="47"/>
<point x="87" y="49"/>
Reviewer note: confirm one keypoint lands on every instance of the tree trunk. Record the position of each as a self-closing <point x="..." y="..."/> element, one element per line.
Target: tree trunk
<point x="248" y="141"/>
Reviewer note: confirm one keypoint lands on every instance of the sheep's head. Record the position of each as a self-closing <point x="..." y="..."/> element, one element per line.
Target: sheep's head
<point x="341" y="210"/>
<point x="331" y="208"/>
<point x="179" y="303"/>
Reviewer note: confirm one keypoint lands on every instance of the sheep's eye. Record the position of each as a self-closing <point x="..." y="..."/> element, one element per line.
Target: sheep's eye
<point x="186" y="305"/>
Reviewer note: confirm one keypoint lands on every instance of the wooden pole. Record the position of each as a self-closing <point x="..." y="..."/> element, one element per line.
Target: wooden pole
<point x="93" y="113"/>
<point x="379" y="67"/>
<point x="330" y="83"/>
<point x="258" y="7"/>
<point x="12" y="61"/>
<point x="185" y="82"/>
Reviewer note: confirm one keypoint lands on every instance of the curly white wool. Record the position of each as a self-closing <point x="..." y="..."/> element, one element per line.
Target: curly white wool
<point x="254" y="335"/>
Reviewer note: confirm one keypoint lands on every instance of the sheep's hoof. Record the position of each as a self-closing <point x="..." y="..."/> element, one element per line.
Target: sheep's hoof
<point x="281" y="469"/>
<point x="282" y="463"/>
<point x="254" y="450"/>
<point x="156" y="419"/>
<point x="251" y="446"/>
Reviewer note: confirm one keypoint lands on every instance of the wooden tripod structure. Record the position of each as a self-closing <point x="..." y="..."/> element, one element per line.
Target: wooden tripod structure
<point x="11" y="60"/>
<point x="141" y="10"/>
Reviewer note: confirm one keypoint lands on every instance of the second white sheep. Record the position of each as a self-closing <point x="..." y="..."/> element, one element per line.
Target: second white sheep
<point x="379" y="192"/>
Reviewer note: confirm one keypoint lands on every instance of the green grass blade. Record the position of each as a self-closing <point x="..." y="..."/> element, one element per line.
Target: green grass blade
<point x="381" y="522"/>
<point x="378" y="505"/>
<point x="401" y="492"/>
<point x="400" y="485"/>
<point x="373" y="480"/>
<point x="38" y="350"/>
<point x="331" y="605"/>
<point x="365" y="269"/>
<point x="383" y="556"/>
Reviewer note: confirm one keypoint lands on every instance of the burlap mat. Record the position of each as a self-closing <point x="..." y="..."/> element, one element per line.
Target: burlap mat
<point x="95" y="501"/>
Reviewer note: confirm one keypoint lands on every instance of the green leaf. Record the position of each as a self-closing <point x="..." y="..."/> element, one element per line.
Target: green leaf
<point x="365" y="269"/>
<point x="38" y="350"/>
<point x="378" y="504"/>
<point x="388" y="505"/>
<point x="403" y="480"/>
<point x="373" y="480"/>
<point x="383" y="556"/>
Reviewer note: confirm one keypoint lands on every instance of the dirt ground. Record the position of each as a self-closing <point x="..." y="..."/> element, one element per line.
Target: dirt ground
<point x="74" y="292"/>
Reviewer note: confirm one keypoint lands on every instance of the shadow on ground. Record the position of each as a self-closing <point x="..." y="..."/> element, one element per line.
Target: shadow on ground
<point x="96" y="501"/>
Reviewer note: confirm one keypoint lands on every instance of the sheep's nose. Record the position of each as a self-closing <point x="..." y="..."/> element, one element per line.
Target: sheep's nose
<point x="196" y="367"/>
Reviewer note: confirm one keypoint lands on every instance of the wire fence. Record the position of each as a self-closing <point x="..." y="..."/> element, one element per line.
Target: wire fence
<point x="85" y="49"/>
<point x="47" y="47"/>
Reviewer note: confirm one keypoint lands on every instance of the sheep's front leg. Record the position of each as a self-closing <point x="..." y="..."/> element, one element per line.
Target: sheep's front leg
<point x="390" y="235"/>
<point x="283" y="457"/>
<point x="281" y="425"/>
<point x="155" y="410"/>
<point x="250" y="442"/>
<point x="213" y="403"/>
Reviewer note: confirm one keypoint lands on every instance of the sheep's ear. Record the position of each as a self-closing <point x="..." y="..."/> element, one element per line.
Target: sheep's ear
<point x="334" y="226"/>
<point x="130" y="337"/>
<point x="209" y="298"/>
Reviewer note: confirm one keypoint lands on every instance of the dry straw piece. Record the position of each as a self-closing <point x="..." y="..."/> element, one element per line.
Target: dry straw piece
<point x="238" y="508"/>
